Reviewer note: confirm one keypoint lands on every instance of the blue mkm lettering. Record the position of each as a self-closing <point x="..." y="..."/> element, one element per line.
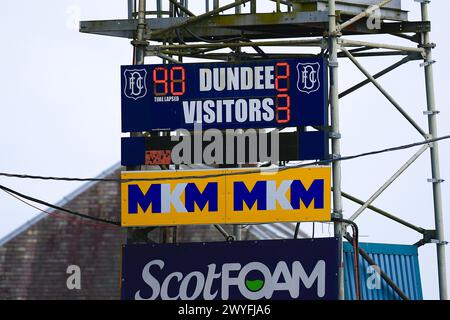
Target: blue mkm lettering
<point x="300" y="197"/>
<point x="208" y="196"/>
<point x="242" y="194"/>
<point x="137" y="198"/>
<point x="300" y="194"/>
<point x="262" y="189"/>
<point x="160" y="197"/>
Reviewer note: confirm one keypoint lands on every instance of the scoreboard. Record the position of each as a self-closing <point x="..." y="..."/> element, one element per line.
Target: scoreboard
<point x="225" y="95"/>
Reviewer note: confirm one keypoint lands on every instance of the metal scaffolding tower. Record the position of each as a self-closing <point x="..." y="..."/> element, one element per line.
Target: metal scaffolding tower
<point x="171" y="31"/>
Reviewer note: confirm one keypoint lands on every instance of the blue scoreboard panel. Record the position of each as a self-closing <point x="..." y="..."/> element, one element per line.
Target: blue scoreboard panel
<point x="225" y="95"/>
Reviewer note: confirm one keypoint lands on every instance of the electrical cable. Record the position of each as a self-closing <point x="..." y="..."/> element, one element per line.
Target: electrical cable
<point x="54" y="214"/>
<point x="314" y="163"/>
<point x="26" y="176"/>
<point x="74" y="213"/>
<point x="10" y="191"/>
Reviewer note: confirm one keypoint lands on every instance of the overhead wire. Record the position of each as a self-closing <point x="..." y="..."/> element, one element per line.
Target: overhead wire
<point x="52" y="213"/>
<point x="17" y="194"/>
<point x="72" y="212"/>
<point x="249" y="171"/>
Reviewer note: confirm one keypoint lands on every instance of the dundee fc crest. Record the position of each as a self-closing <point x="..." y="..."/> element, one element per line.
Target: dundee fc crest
<point x="308" y="77"/>
<point x="135" y="83"/>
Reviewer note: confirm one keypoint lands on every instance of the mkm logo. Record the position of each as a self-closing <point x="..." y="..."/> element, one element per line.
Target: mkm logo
<point x="226" y="197"/>
<point x="265" y="194"/>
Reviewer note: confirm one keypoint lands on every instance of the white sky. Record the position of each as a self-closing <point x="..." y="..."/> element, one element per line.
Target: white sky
<point x="60" y="112"/>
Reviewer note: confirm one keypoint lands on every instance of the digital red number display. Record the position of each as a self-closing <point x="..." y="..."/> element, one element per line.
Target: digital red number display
<point x="177" y="81"/>
<point x="162" y="82"/>
<point x="283" y="101"/>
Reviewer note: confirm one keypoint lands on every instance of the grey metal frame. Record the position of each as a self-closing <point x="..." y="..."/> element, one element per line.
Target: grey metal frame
<point x="239" y="31"/>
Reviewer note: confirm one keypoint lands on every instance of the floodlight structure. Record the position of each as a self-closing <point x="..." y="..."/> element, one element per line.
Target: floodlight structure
<point x="171" y="31"/>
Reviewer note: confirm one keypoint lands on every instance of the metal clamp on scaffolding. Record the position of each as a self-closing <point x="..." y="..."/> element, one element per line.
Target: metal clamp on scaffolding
<point x="427" y="63"/>
<point x="431" y="112"/>
<point x="430" y="236"/>
<point x="432" y="180"/>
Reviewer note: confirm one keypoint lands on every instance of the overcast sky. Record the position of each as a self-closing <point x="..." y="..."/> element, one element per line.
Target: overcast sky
<point x="60" y="108"/>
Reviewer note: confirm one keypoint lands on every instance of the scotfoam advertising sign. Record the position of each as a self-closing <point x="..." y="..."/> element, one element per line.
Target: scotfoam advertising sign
<point x="244" y="270"/>
<point x="227" y="196"/>
<point x="251" y="94"/>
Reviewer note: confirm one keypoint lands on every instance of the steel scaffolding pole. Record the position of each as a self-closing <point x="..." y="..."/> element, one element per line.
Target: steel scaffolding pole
<point x="253" y="6"/>
<point x="336" y="144"/>
<point x="434" y="150"/>
<point x="130" y="6"/>
<point x="376" y="45"/>
<point x="140" y="43"/>
<point x="138" y="234"/>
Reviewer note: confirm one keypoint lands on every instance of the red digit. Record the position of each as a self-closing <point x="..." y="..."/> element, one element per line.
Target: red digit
<point x="286" y="108"/>
<point x="157" y="83"/>
<point x="280" y="77"/>
<point x="174" y="81"/>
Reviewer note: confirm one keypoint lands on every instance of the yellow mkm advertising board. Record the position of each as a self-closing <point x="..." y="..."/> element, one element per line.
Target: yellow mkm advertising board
<point x="225" y="196"/>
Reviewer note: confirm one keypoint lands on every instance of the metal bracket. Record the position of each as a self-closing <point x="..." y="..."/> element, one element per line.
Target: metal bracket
<point x="427" y="63"/>
<point x="139" y="43"/>
<point x="435" y="241"/>
<point x="333" y="64"/>
<point x="324" y="44"/>
<point x="335" y="156"/>
<point x="337" y="34"/>
<point x="429" y="236"/>
<point x="152" y="50"/>
<point x="428" y="45"/>
<point x="423" y="1"/>
<point x="337" y="214"/>
<point x="431" y="113"/>
<point x="334" y="135"/>
<point x="436" y="180"/>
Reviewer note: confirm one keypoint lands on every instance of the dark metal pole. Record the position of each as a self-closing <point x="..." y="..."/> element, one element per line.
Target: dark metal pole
<point x="253" y="6"/>
<point x="130" y="9"/>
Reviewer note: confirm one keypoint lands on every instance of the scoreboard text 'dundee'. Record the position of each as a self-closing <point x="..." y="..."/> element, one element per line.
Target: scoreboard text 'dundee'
<point x="256" y="94"/>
